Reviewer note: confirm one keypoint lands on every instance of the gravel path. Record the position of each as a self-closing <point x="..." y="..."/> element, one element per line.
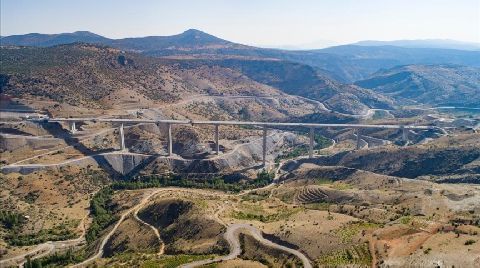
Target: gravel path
<point x="232" y="237"/>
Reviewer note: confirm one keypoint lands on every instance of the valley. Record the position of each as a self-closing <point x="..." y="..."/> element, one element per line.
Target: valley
<point x="193" y="151"/>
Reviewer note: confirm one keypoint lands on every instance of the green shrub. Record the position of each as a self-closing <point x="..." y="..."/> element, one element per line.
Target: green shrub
<point x="470" y="242"/>
<point x="60" y="259"/>
<point x="59" y="233"/>
<point x="11" y="220"/>
<point x="356" y="256"/>
<point x="219" y="182"/>
<point x="282" y="215"/>
<point x="101" y="213"/>
<point x="31" y="197"/>
<point x="320" y="143"/>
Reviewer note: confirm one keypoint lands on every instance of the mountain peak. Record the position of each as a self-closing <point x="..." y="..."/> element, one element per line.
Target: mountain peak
<point x="197" y="34"/>
<point x="194" y="31"/>
<point x="84" y="33"/>
<point x="196" y="37"/>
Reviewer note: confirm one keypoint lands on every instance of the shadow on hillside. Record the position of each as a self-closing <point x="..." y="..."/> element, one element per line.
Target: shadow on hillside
<point x="56" y="130"/>
<point x="321" y="160"/>
<point x="140" y="166"/>
<point x="256" y="167"/>
<point x="7" y="103"/>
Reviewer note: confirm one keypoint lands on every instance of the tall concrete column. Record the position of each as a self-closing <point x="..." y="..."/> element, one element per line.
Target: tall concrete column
<point x="73" y="127"/>
<point x="170" y="144"/>
<point x="122" y="138"/>
<point x="404" y="134"/>
<point x="264" y="146"/>
<point x="217" y="145"/>
<point x="358" y="138"/>
<point x="310" y="149"/>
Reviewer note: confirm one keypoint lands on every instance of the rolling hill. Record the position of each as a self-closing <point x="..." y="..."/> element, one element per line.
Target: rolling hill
<point x="100" y="76"/>
<point x="304" y="80"/>
<point x="85" y="74"/>
<point x="46" y="40"/>
<point x="439" y="85"/>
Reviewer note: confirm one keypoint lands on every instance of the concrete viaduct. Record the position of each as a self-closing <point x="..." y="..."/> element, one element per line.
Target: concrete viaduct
<point x="217" y="124"/>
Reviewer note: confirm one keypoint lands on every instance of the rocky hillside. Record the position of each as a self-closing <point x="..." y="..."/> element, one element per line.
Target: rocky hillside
<point x="431" y="84"/>
<point x="99" y="76"/>
<point x="449" y="159"/>
<point x="360" y="62"/>
<point x="303" y="80"/>
<point x="92" y="75"/>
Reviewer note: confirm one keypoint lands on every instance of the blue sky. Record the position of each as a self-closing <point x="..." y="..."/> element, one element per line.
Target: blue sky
<point x="259" y="22"/>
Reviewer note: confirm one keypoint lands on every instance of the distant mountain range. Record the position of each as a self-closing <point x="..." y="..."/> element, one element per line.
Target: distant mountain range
<point x="347" y="63"/>
<point x="189" y="39"/>
<point x="435" y="76"/>
<point x="46" y="40"/>
<point x="423" y="43"/>
<point x="438" y="85"/>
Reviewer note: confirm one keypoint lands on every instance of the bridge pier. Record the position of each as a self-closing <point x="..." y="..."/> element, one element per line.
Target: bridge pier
<point x="264" y="147"/>
<point x="73" y="127"/>
<point x="217" y="145"/>
<point x="359" y="138"/>
<point x="356" y="128"/>
<point x="310" y="149"/>
<point x="122" y="138"/>
<point x="404" y="134"/>
<point x="170" y="143"/>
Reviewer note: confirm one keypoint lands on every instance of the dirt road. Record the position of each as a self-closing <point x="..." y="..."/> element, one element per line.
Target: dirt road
<point x="115" y="227"/>
<point x="232" y="237"/>
<point x="155" y="230"/>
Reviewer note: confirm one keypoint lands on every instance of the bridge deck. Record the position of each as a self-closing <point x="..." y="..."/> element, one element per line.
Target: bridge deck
<point x="251" y="123"/>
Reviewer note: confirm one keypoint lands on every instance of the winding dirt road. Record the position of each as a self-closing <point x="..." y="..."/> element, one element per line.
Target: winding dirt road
<point x="319" y="105"/>
<point x="135" y="211"/>
<point x="233" y="231"/>
<point x="232" y="236"/>
<point x="161" y="249"/>
<point x="115" y="227"/>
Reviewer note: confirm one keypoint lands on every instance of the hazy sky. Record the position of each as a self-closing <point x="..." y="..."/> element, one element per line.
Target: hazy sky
<point x="258" y="22"/>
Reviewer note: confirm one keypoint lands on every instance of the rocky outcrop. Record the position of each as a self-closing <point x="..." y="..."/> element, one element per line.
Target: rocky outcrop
<point x="242" y="156"/>
<point x="123" y="163"/>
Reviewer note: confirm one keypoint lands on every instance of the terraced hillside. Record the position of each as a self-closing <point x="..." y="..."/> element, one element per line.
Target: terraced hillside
<point x="311" y="195"/>
<point x="406" y="222"/>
